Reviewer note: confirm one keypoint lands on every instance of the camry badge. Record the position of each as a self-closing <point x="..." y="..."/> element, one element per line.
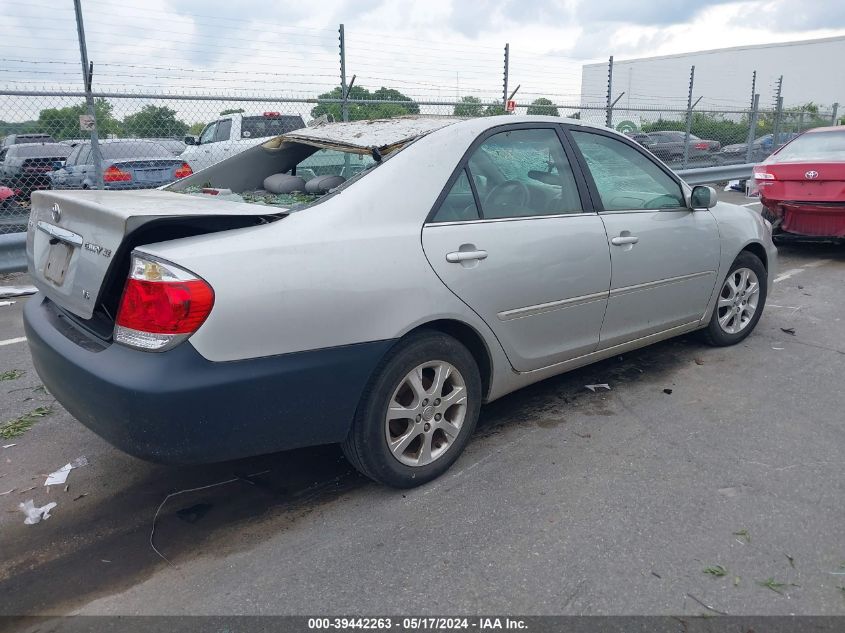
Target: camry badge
<point x="812" y="174"/>
<point x="56" y="213"/>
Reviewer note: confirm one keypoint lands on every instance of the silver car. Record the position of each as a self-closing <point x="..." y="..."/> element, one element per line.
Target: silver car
<point x="253" y="307"/>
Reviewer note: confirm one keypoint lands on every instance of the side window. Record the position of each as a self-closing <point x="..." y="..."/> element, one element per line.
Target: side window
<point x="3" y="153"/>
<point x="459" y="204"/>
<point x="524" y="173"/>
<point x="224" y="130"/>
<point x="84" y="156"/>
<point x="71" y="159"/>
<point x="207" y="135"/>
<point x="625" y="178"/>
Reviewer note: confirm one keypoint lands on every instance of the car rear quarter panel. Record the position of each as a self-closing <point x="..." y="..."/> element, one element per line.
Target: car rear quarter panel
<point x="350" y="269"/>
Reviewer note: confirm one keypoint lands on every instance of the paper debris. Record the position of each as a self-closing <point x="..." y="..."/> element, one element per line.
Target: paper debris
<point x="3" y="304"/>
<point x="58" y="477"/>
<point x="593" y="388"/>
<point x="35" y="515"/>
<point x="9" y="445"/>
<point x="17" y="291"/>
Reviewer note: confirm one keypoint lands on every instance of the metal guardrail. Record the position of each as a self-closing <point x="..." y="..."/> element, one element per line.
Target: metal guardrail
<point x="13" y="246"/>
<point x="721" y="173"/>
<point x="12" y="253"/>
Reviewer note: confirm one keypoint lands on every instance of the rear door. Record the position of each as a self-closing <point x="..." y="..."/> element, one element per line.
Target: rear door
<point x="664" y="256"/>
<point x="512" y="237"/>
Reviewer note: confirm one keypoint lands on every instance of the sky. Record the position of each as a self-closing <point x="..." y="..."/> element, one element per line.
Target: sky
<point x="428" y="49"/>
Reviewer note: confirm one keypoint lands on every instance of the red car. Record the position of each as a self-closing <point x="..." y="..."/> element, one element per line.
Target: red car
<point x="802" y="185"/>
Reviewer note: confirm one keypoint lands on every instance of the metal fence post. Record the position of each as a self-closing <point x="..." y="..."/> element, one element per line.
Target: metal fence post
<point x="87" y="75"/>
<point x="689" y="115"/>
<point x="833" y="114"/>
<point x="753" y="87"/>
<point x="609" y="117"/>
<point x="505" y="78"/>
<point x="344" y="108"/>
<point x="752" y="126"/>
<point x="778" y="109"/>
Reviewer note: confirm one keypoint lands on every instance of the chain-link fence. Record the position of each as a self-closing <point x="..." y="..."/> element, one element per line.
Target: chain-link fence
<point x="142" y="125"/>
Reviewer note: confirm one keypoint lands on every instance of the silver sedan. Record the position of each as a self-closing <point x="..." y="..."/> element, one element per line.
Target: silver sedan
<point x="373" y="284"/>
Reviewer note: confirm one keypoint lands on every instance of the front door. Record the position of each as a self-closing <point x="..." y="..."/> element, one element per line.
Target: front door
<point x="511" y="239"/>
<point x="664" y="256"/>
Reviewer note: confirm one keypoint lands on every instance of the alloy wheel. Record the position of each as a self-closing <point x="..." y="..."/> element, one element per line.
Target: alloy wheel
<point x="738" y="300"/>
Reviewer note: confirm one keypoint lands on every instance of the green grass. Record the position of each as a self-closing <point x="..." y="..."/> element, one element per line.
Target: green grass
<point x="12" y="374"/>
<point x="774" y="585"/>
<point x="17" y="427"/>
<point x="716" y="570"/>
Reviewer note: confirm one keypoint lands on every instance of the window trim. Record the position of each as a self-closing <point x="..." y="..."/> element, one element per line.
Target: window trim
<point x="580" y="182"/>
<point x="588" y="176"/>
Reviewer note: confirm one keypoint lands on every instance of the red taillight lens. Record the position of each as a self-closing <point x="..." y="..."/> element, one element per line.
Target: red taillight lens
<point x="165" y="307"/>
<point x="161" y="306"/>
<point x="702" y="146"/>
<point x="184" y="171"/>
<point x="115" y="174"/>
<point x="272" y="115"/>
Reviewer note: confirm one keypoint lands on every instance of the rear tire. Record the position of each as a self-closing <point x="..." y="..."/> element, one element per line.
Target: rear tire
<point x="417" y="413"/>
<point x="740" y="303"/>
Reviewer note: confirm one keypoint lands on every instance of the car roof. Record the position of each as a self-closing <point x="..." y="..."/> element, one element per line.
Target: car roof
<point x="829" y="128"/>
<point x="389" y="134"/>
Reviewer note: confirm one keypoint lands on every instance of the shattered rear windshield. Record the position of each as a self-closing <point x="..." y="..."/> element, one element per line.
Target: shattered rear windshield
<point x="813" y="146"/>
<point x="322" y="173"/>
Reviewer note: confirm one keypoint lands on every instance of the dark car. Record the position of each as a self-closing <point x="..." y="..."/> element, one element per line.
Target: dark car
<point x="17" y="139"/>
<point x="760" y="148"/>
<point x="25" y="167"/>
<point x="642" y="138"/>
<point x="127" y="164"/>
<point x="669" y="146"/>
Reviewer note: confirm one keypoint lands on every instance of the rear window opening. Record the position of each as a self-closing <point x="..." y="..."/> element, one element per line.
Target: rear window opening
<point x="321" y="172"/>
<point x="829" y="145"/>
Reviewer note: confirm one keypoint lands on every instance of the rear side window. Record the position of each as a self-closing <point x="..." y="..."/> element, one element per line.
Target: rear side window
<point x="258" y="126"/>
<point x="459" y="204"/>
<point x="133" y="149"/>
<point x="523" y="173"/>
<point x="627" y="179"/>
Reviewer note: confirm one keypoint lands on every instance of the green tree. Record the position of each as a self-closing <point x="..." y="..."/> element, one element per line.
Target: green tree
<point x="154" y="122"/>
<point x="469" y="107"/>
<point x="232" y="111"/>
<point x="543" y="106"/>
<point x="196" y="129"/>
<point x="361" y="111"/>
<point x="63" y="123"/>
<point x="495" y="110"/>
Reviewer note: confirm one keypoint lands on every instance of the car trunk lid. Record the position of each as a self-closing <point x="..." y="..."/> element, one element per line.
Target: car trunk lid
<point x="76" y="238"/>
<point x="804" y="182"/>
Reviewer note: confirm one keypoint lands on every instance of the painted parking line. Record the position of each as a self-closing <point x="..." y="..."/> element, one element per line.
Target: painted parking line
<point x="786" y="274"/>
<point x="12" y="341"/>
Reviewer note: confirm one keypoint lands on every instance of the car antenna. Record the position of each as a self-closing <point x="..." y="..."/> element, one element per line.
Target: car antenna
<point x="376" y="155"/>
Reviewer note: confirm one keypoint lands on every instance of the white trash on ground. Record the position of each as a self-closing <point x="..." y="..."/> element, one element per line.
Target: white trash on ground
<point x="60" y="476"/>
<point x="593" y="388"/>
<point x="35" y="515"/>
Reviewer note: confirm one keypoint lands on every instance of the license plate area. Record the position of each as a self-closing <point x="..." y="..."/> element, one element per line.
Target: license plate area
<point x="58" y="260"/>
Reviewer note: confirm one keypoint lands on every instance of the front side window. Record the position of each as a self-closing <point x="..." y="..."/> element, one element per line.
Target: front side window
<point x="459" y="204"/>
<point x="522" y="173"/>
<point x="627" y="179"/>
<point x="207" y="135"/>
<point x="74" y="155"/>
<point x="224" y="130"/>
<point x="85" y="156"/>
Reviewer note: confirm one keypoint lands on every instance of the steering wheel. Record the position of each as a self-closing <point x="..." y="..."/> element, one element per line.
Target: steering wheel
<point x="508" y="194"/>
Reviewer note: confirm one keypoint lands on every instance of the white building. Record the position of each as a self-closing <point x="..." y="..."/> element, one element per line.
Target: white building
<point x="812" y="70"/>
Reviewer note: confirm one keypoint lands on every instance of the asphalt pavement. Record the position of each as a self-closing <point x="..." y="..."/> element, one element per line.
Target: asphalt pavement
<point x="565" y="502"/>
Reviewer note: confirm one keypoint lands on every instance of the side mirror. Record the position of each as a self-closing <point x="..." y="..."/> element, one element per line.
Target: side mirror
<point x="703" y="197"/>
<point x="191" y="140"/>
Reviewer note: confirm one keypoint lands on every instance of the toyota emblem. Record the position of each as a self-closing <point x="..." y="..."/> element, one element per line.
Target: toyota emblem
<point x="56" y="213"/>
<point x="811" y="175"/>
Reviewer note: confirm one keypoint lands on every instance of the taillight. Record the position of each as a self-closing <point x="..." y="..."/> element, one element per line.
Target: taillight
<point x="702" y="145"/>
<point x="161" y="306"/>
<point x="762" y="175"/>
<point x="272" y="115"/>
<point x="115" y="174"/>
<point x="184" y="171"/>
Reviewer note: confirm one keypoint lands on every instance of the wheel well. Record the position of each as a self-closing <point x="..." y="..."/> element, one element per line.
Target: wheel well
<point x="471" y="340"/>
<point x="757" y="249"/>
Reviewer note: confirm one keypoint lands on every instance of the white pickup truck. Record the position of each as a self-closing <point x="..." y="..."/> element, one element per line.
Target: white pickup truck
<point x="234" y="133"/>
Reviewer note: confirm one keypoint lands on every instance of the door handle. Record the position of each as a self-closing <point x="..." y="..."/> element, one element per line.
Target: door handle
<point x="465" y="256"/>
<point x="624" y="239"/>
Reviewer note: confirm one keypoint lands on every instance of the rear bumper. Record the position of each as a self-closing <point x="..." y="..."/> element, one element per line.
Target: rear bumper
<point x="809" y="219"/>
<point x="178" y="407"/>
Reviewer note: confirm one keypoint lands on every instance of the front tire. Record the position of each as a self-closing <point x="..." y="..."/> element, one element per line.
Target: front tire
<point x="740" y="302"/>
<point x="417" y="413"/>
